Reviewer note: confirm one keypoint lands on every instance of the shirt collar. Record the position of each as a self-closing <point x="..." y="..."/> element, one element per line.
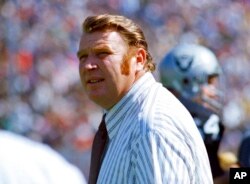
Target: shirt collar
<point x="116" y="114"/>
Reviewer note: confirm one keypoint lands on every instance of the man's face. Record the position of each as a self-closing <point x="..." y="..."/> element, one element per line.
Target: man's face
<point x="105" y="71"/>
<point x="210" y="95"/>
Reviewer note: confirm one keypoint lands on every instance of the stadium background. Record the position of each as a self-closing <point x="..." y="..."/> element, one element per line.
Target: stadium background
<point x="40" y="92"/>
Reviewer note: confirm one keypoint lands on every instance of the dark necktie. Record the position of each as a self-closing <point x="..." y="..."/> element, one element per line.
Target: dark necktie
<point x="99" y="143"/>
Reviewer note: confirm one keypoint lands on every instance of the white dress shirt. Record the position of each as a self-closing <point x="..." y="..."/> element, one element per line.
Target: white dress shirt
<point x="153" y="139"/>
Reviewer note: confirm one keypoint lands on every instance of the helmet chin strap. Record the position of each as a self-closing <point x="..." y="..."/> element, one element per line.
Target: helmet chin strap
<point x="210" y="97"/>
<point x="212" y="104"/>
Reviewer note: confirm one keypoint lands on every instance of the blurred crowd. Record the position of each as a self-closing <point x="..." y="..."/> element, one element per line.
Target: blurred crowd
<point x="40" y="92"/>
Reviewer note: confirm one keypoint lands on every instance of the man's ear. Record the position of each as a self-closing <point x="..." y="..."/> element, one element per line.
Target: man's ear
<point x="140" y="59"/>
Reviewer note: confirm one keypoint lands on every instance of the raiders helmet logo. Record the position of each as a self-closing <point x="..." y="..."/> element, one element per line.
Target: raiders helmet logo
<point x="184" y="62"/>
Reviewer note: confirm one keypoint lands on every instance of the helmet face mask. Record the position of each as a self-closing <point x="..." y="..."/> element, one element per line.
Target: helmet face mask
<point x="187" y="69"/>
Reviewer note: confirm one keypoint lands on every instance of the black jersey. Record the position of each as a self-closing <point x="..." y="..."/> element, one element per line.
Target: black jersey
<point x="244" y="150"/>
<point x="211" y="130"/>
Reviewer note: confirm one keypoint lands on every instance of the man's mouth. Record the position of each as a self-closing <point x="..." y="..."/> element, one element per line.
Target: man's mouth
<point x="94" y="81"/>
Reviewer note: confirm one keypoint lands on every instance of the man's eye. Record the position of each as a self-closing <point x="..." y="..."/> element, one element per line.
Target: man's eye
<point x="82" y="57"/>
<point x="103" y="54"/>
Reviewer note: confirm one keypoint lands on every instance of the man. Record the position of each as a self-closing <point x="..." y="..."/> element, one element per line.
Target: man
<point x="152" y="138"/>
<point x="244" y="150"/>
<point x="191" y="72"/>
<point x="23" y="161"/>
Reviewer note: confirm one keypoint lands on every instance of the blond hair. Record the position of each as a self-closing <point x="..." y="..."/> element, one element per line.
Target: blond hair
<point x="130" y="31"/>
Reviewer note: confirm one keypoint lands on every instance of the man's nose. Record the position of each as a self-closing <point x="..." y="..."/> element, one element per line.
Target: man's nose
<point x="90" y="63"/>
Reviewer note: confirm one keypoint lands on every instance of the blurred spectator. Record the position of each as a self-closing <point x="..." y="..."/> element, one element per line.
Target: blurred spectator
<point x="228" y="160"/>
<point x="24" y="161"/>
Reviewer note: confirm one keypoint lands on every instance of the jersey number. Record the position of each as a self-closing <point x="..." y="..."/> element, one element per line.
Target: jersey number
<point x="212" y="126"/>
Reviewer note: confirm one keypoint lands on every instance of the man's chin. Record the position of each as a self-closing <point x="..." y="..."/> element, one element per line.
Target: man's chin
<point x="97" y="98"/>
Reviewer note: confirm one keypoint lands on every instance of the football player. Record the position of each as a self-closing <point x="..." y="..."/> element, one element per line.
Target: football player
<point x="244" y="150"/>
<point x="191" y="72"/>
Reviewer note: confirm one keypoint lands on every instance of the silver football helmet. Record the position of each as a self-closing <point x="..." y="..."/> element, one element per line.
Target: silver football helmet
<point x="187" y="68"/>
